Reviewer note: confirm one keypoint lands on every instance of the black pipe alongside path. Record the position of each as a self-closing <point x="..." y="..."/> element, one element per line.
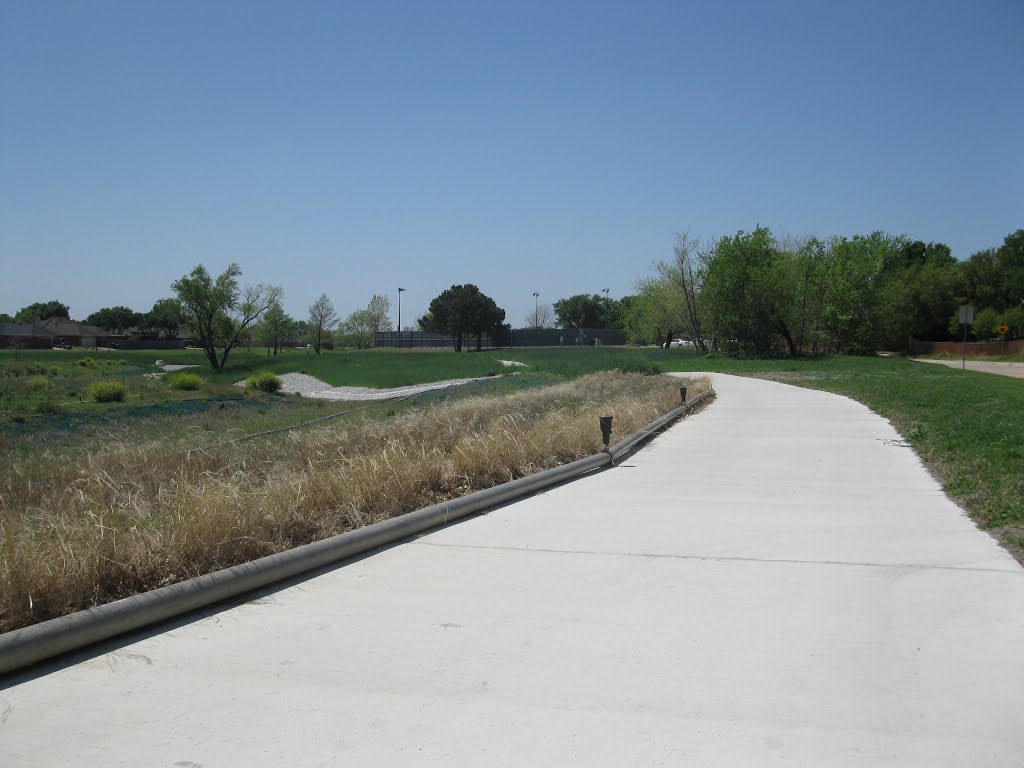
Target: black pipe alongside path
<point x="23" y="647"/>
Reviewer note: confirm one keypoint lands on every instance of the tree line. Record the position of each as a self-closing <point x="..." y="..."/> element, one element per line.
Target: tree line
<point x="756" y="293"/>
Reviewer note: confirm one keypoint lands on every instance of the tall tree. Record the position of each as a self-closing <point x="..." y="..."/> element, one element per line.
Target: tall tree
<point x="379" y="310"/>
<point x="859" y="285"/>
<point x="685" y="274"/>
<point x="541" y="316"/>
<point x="463" y="310"/>
<point x="356" y="330"/>
<point x="167" y="317"/>
<point x="748" y="297"/>
<point x="322" y="319"/>
<point x="114" y="319"/>
<point x="581" y="310"/>
<point x="44" y="310"/>
<point x="275" y="327"/>
<point x="655" y="314"/>
<point x="219" y="312"/>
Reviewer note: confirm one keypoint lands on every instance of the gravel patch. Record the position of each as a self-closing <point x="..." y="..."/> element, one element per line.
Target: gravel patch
<point x="310" y="386"/>
<point x="512" y="364"/>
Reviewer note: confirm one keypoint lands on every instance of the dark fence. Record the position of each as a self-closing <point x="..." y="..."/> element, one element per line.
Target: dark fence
<point x="147" y="343"/>
<point x="517" y="337"/>
<point x="424" y="340"/>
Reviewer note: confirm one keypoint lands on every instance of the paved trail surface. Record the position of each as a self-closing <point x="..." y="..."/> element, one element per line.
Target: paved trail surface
<point x="774" y="581"/>
<point x="1015" y="370"/>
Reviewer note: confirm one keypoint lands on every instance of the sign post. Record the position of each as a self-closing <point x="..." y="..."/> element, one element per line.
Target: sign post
<point x="1003" y="328"/>
<point x="966" y="318"/>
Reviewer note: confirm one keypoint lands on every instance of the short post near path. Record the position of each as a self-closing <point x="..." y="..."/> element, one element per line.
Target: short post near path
<point x="606" y="430"/>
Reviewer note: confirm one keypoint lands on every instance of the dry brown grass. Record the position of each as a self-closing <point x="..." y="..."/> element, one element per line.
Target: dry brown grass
<point x="139" y="515"/>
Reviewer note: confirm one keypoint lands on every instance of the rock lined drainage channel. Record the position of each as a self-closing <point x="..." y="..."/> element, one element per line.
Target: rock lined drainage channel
<point x="23" y="647"/>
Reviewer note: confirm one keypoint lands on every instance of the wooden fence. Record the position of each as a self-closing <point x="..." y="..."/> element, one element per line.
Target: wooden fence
<point x="974" y="348"/>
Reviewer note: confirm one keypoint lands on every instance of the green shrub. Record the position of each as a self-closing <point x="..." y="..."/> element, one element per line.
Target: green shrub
<point x="642" y="365"/>
<point x="264" y="381"/>
<point x="38" y="383"/>
<point x="189" y="382"/>
<point x="106" y="391"/>
<point x="86" y="362"/>
<point x="48" y="406"/>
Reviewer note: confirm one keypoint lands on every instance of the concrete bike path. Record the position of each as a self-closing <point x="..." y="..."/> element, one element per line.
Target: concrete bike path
<point x="774" y="581"/>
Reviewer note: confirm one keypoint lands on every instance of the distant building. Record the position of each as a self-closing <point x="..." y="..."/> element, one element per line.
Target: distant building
<point x="29" y="336"/>
<point x="76" y="334"/>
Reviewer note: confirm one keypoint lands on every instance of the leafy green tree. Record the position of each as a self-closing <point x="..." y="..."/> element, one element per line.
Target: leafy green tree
<point x="1010" y="258"/>
<point x="167" y="317"/>
<point x="379" y="309"/>
<point x="219" y="312"/>
<point x="5" y="318"/>
<point x="982" y="283"/>
<point x="655" y="313"/>
<point x="114" y="319"/>
<point x="275" y="328"/>
<point x="750" y="299"/>
<point x="33" y="313"/>
<point x="356" y="330"/>
<point x="581" y="310"/>
<point x="463" y="310"/>
<point x="859" y="288"/>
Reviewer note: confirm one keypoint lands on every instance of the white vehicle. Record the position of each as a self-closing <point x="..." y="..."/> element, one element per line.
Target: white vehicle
<point x="680" y="343"/>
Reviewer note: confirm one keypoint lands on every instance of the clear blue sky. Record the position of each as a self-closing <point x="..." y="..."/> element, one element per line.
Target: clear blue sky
<point x="522" y="146"/>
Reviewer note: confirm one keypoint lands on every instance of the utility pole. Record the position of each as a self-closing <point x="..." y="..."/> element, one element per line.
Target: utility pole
<point x="400" y="290"/>
<point x="536" y="310"/>
<point x="606" y="305"/>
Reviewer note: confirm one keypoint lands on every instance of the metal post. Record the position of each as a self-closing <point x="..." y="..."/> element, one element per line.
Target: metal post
<point x="682" y="394"/>
<point x="963" y="361"/>
<point x="606" y="430"/>
<point x="400" y="290"/>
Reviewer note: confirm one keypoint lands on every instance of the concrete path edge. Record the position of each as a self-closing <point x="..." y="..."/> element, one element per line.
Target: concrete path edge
<point x="23" y="647"/>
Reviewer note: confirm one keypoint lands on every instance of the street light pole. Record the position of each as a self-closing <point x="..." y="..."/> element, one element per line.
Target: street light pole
<point x="400" y="290"/>
<point x="536" y="310"/>
<point x="605" y="291"/>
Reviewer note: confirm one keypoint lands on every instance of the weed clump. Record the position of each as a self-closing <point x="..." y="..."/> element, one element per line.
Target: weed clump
<point x="106" y="391"/>
<point x="38" y="384"/>
<point x="188" y="382"/>
<point x="264" y="381"/>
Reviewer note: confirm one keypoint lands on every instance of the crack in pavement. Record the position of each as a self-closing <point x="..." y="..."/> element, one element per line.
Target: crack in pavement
<point x="731" y="558"/>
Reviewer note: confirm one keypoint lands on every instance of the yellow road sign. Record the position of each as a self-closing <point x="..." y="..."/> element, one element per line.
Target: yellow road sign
<point x="1002" y="328"/>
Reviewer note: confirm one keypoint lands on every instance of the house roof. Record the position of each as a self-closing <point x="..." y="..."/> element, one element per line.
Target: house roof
<point x="29" y="329"/>
<point x="61" y="326"/>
